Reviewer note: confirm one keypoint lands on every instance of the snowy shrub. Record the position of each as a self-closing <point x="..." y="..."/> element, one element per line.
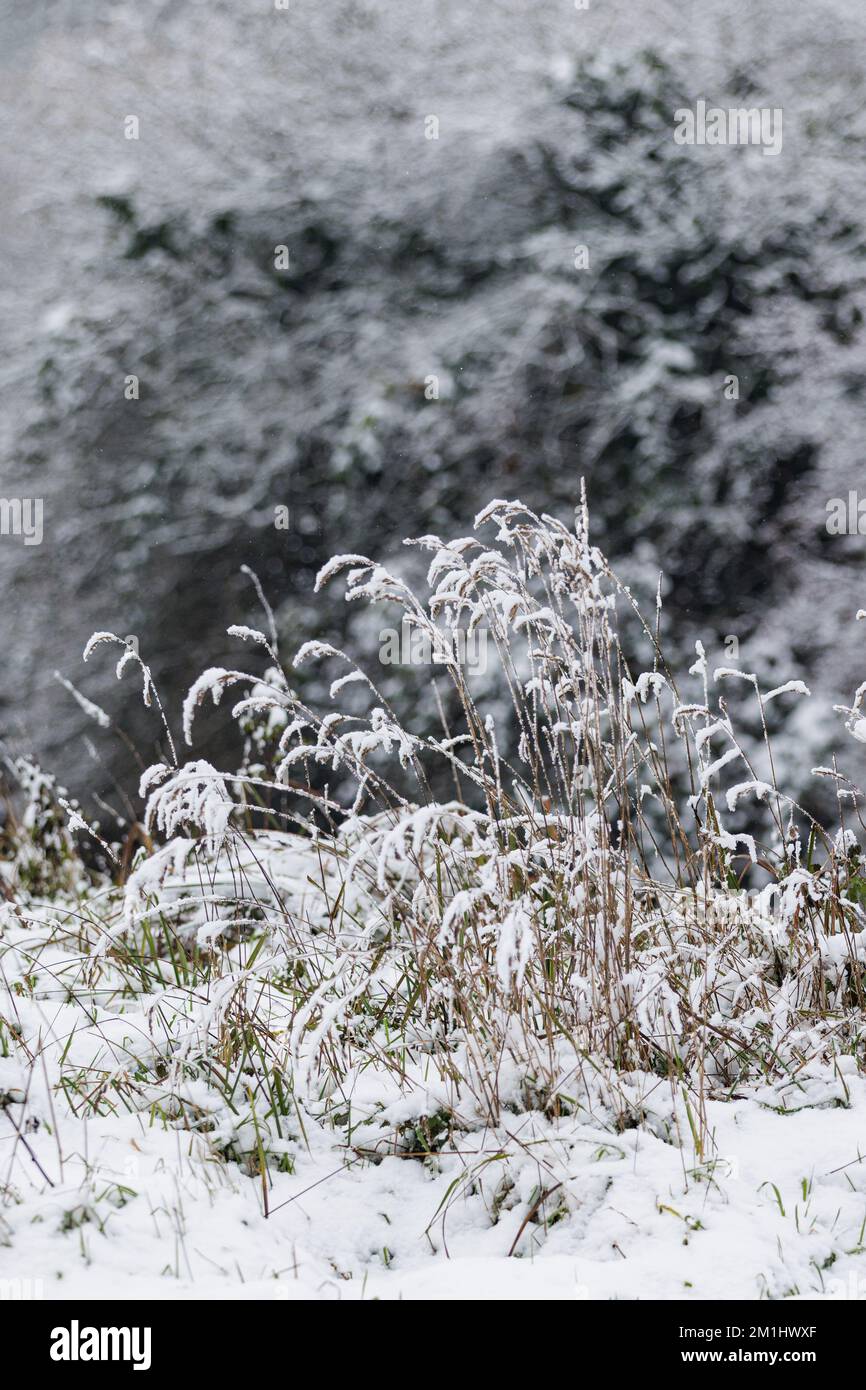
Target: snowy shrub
<point x="405" y="968"/>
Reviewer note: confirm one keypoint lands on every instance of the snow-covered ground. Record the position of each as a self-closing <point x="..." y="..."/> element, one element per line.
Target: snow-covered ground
<point x="121" y="1185"/>
<point x="121" y="1206"/>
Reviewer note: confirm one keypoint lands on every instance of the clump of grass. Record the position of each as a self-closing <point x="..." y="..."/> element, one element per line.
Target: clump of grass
<point x="38" y="854"/>
<point x="327" y="936"/>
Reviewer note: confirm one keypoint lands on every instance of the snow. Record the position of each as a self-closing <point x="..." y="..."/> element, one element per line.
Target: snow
<point x="211" y="682"/>
<point x="153" y="1195"/>
<point x="93" y="711"/>
<point x="128" y="1208"/>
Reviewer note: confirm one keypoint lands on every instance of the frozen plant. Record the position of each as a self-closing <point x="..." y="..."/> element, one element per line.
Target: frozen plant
<point x="616" y="898"/>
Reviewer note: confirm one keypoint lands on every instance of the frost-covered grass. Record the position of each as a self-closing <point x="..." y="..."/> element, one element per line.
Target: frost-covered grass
<point x="318" y="1025"/>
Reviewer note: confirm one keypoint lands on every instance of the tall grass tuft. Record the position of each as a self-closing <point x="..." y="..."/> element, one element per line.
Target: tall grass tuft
<point x="617" y="887"/>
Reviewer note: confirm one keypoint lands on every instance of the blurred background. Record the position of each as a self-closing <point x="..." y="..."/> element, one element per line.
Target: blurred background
<point x="431" y="344"/>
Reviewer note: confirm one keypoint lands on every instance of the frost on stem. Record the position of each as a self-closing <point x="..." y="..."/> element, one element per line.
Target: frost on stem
<point x="580" y="895"/>
<point x="148" y="689"/>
